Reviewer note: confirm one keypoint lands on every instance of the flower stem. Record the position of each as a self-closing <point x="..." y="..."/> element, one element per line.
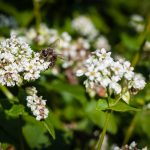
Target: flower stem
<point x="130" y="130"/>
<point x="8" y="94"/>
<point x="37" y="14"/>
<point x="102" y="135"/>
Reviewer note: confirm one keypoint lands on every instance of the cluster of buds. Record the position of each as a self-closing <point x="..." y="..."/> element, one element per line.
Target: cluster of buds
<point x="37" y="104"/>
<point x="116" y="77"/>
<point x="18" y="62"/>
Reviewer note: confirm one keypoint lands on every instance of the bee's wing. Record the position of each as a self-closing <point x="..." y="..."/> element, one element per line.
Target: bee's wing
<point x="55" y="44"/>
<point x="62" y="57"/>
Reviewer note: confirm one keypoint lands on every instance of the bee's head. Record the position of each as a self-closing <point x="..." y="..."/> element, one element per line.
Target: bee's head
<point x="44" y="52"/>
<point x="50" y="51"/>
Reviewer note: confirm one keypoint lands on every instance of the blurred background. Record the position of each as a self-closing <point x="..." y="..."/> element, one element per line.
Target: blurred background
<point x="80" y="27"/>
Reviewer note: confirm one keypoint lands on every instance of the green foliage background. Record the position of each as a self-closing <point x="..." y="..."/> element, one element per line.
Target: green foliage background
<point x="74" y="120"/>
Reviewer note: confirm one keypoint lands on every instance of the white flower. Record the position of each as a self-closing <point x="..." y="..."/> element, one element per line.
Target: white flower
<point x="92" y="73"/>
<point x="79" y="73"/>
<point x="89" y="84"/>
<point x="118" y="69"/>
<point x="66" y="37"/>
<point x="128" y="70"/>
<point x="102" y="54"/>
<point x="105" y="81"/>
<point x="116" y="87"/>
<point x="138" y="82"/>
<point x="115" y="78"/>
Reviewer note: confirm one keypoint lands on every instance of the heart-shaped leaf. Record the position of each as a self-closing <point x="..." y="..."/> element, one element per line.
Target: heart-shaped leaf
<point x="119" y="106"/>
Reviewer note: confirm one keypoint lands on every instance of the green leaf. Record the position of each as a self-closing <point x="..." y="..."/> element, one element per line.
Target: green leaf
<point x="102" y="104"/>
<point x="70" y="113"/>
<point x="98" y="117"/>
<point x="78" y="92"/>
<point x="4" y="145"/>
<point x="16" y="110"/>
<point x="23" y="18"/>
<point x="98" y="20"/>
<point x="48" y="125"/>
<point x="7" y="8"/>
<point x="35" y="136"/>
<point x="28" y="15"/>
<point x="133" y="43"/>
<point x="122" y="106"/>
<point x="119" y="106"/>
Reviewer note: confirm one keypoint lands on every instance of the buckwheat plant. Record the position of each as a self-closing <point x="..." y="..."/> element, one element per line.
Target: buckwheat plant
<point x="117" y="77"/>
<point x="36" y="104"/>
<point x="18" y="62"/>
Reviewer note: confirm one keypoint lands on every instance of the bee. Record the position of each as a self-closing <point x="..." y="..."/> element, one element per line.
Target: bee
<point x="49" y="54"/>
<point x="133" y="91"/>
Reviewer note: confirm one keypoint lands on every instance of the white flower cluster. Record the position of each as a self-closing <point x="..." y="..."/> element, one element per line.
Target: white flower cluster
<point x="44" y="36"/>
<point x="37" y="104"/>
<point x="18" y="62"/>
<point x="132" y="146"/>
<point x="76" y="52"/>
<point x="137" y="22"/>
<point x="85" y="27"/>
<point x="115" y="76"/>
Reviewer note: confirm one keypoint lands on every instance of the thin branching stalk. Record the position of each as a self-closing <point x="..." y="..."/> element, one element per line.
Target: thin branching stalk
<point x="37" y="14"/>
<point x="102" y="135"/>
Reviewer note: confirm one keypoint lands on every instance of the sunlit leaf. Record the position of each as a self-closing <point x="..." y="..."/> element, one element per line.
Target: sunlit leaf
<point x="35" y="136"/>
<point x="76" y="91"/>
<point x="119" y="106"/>
<point x="98" y="117"/>
<point x="48" y="125"/>
<point x="16" y="110"/>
